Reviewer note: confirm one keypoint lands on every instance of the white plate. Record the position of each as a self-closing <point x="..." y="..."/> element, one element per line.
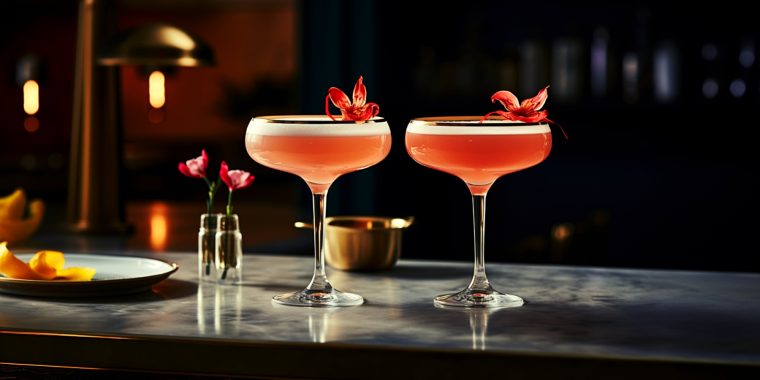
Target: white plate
<point x="114" y="275"/>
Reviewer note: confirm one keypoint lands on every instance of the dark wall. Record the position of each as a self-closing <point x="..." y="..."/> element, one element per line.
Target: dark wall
<point x="658" y="170"/>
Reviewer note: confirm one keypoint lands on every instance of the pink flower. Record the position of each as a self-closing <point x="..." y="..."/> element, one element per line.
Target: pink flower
<point x="196" y="167"/>
<point x="360" y="110"/>
<point x="235" y="180"/>
<point x="529" y="111"/>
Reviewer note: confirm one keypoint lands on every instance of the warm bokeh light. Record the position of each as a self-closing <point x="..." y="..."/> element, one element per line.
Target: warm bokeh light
<point x="562" y="231"/>
<point x="159" y="226"/>
<point x="31" y="124"/>
<point x="31" y="97"/>
<point x="156" y="115"/>
<point x="156" y="89"/>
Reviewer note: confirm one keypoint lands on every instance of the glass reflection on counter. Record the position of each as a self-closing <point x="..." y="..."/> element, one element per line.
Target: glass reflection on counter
<point x="319" y="324"/>
<point x="478" y="320"/>
<point x="219" y="309"/>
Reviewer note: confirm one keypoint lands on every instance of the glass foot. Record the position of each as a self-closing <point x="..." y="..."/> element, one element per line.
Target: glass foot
<point x="478" y="298"/>
<point x="319" y="298"/>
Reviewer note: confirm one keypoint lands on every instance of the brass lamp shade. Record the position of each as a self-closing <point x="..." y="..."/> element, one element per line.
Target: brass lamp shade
<point x="157" y="44"/>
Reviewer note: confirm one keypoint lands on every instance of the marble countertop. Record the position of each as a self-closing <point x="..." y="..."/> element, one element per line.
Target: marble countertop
<point x="575" y="318"/>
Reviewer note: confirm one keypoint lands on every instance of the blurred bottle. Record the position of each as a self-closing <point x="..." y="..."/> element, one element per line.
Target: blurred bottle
<point x="711" y="77"/>
<point x="740" y="87"/>
<point x="567" y="70"/>
<point x="534" y="68"/>
<point x="631" y="71"/>
<point x="600" y="63"/>
<point x="666" y="72"/>
<point x="636" y="68"/>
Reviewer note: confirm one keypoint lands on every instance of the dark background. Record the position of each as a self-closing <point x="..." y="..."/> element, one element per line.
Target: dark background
<point x="659" y="170"/>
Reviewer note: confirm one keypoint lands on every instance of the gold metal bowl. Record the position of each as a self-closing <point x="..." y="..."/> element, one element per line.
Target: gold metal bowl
<point x="362" y="243"/>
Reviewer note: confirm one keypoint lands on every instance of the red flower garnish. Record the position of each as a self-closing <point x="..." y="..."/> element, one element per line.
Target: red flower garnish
<point x="360" y="110"/>
<point x="235" y="180"/>
<point x="528" y="111"/>
<point x="196" y="167"/>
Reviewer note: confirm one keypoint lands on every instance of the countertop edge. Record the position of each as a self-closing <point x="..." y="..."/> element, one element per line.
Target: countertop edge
<point x="327" y="360"/>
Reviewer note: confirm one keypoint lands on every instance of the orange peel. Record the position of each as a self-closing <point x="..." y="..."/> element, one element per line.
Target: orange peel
<point x="13" y="267"/>
<point x="12" y="230"/>
<point x="44" y="265"/>
<point x="76" y="274"/>
<point x="12" y="206"/>
<point x="47" y="263"/>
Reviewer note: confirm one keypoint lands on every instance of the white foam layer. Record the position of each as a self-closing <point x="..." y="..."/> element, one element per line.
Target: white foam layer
<point x="315" y="125"/>
<point x="473" y="126"/>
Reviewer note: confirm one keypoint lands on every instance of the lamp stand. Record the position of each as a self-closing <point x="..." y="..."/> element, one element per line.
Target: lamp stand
<point x="95" y="202"/>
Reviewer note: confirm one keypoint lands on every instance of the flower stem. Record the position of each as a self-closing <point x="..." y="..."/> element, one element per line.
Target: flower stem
<point x="211" y="191"/>
<point x="229" y="204"/>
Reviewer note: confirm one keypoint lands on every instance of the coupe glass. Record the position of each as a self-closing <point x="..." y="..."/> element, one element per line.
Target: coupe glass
<point x="318" y="150"/>
<point x="478" y="153"/>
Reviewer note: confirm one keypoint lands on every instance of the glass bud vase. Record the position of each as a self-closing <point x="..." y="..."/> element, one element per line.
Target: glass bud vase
<point x="207" y="247"/>
<point x="229" y="250"/>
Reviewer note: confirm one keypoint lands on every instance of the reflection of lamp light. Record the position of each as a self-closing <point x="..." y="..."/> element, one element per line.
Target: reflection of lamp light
<point x="159" y="226"/>
<point x="95" y="202"/>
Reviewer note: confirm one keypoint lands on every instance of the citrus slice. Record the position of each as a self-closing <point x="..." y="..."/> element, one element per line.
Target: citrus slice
<point x="12" y="206"/>
<point x="76" y="274"/>
<point x="47" y="263"/>
<point x="12" y="267"/>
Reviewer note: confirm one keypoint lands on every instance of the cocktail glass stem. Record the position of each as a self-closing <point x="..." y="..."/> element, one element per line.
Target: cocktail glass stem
<point x="319" y="281"/>
<point x="479" y="293"/>
<point x="319" y="292"/>
<point x="479" y="279"/>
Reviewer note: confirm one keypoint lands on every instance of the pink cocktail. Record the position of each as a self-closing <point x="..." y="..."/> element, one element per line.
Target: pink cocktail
<point x="318" y="150"/>
<point x="319" y="160"/>
<point x="479" y="154"/>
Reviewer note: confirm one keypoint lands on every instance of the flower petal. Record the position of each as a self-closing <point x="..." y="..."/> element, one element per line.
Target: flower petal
<point x="507" y="99"/>
<point x="375" y="110"/>
<point x="535" y="103"/>
<point x="224" y="175"/>
<point x="185" y="170"/>
<point x="327" y="108"/>
<point x="338" y="98"/>
<point x="204" y="159"/>
<point x="240" y="179"/>
<point x="532" y="117"/>
<point x="550" y="121"/>
<point x="360" y="92"/>
<point x="365" y="113"/>
<point x="500" y="113"/>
